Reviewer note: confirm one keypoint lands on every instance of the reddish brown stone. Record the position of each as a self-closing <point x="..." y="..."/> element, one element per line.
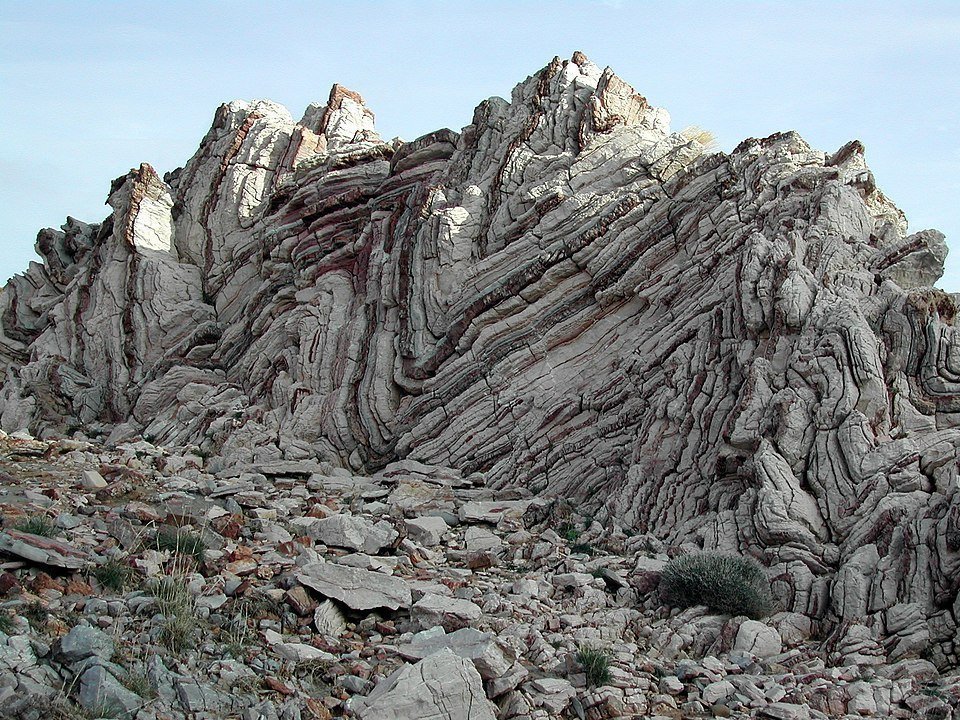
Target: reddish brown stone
<point x="44" y="582"/>
<point x="228" y="526"/>
<point x="300" y="601"/>
<point x="278" y="686"/>
<point x="9" y="584"/>
<point x="75" y="586"/>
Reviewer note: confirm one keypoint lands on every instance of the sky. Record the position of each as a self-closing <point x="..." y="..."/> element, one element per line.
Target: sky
<point x="89" y="90"/>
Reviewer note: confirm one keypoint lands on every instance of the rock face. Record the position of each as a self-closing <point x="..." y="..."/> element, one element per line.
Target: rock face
<point x="736" y="350"/>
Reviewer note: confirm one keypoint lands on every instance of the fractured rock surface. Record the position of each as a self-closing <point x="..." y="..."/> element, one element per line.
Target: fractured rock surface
<point x="741" y="351"/>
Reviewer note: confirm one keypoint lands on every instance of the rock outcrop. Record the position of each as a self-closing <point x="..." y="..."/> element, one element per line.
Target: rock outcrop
<point x="738" y="351"/>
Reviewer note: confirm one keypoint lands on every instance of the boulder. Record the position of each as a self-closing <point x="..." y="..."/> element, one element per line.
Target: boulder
<point x="442" y="686"/>
<point x="355" y="533"/>
<point x="84" y="641"/>
<point x="427" y="531"/>
<point x="758" y="639"/>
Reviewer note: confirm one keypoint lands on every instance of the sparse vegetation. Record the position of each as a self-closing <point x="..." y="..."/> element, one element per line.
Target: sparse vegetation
<point x="569" y="533"/>
<point x="177" y="631"/>
<point x="236" y="633"/>
<point x="182" y="542"/>
<point x="171" y="593"/>
<point x="36" y="614"/>
<point x="36" y="525"/>
<point x="176" y="603"/>
<point x="6" y="623"/>
<point x="595" y="663"/>
<point x="730" y="584"/>
<point x="113" y="574"/>
<point x="257" y="606"/>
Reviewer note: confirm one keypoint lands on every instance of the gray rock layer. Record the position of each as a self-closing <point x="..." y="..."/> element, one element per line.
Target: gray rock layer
<point x="736" y="350"/>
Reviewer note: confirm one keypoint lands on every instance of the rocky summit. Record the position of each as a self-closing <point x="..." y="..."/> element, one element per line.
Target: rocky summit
<point x="322" y="425"/>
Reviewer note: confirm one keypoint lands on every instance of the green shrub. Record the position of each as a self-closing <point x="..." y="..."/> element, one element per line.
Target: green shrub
<point x="595" y="663"/>
<point x="6" y="623"/>
<point x="730" y="584"/>
<point x="36" y="525"/>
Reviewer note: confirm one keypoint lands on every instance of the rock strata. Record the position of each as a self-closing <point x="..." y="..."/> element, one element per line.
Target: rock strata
<point x="737" y="351"/>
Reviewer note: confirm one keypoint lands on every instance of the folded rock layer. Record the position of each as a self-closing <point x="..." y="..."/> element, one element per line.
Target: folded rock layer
<point x="740" y="351"/>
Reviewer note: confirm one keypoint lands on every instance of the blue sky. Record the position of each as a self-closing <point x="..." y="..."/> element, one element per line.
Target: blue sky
<point x="91" y="89"/>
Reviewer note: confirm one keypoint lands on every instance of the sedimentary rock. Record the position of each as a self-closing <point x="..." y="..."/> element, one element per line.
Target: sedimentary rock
<point x="48" y="551"/>
<point x="357" y="589"/>
<point x="738" y="350"/>
<point x="442" y="686"/>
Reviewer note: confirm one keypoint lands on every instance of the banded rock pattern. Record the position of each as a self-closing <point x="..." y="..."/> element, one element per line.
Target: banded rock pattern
<point x="737" y="351"/>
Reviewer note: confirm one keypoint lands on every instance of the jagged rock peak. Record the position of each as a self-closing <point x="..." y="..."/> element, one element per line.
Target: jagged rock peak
<point x="736" y="351"/>
<point x="344" y="120"/>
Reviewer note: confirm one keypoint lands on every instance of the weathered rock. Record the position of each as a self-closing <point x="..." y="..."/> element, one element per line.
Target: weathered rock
<point x="357" y="589"/>
<point x="716" y="691"/>
<point x="730" y="349"/>
<point x="92" y="480"/>
<point x="758" y="639"/>
<point x="784" y="711"/>
<point x="553" y="694"/>
<point x="428" y="531"/>
<point x="439" y="687"/>
<point x="197" y="697"/>
<point x="103" y="695"/>
<point x="43" y="550"/>
<point x="328" y="620"/>
<point x="354" y="532"/>
<point x="490" y="658"/>
<point x="84" y="641"/>
<point x="492" y="511"/>
<point x="447" y="612"/>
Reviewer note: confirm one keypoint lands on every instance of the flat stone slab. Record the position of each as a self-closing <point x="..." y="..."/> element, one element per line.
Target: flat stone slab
<point x="357" y="589"/>
<point x="43" y="550"/>
<point x="490" y="511"/>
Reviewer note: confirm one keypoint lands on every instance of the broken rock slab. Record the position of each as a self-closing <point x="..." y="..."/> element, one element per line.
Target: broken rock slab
<point x="490" y="511"/>
<point x="357" y="589"/>
<point x="42" y="550"/>
<point x="103" y="695"/>
<point x="447" y="612"/>
<point x="481" y="648"/>
<point x="439" y="687"/>
<point x="355" y="533"/>
<point x="428" y="531"/>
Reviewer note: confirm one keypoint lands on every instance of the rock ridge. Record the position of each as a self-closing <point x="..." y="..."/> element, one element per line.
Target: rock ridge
<point x="735" y="351"/>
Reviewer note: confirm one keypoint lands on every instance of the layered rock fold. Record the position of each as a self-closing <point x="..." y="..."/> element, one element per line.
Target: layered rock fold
<point x="740" y="351"/>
